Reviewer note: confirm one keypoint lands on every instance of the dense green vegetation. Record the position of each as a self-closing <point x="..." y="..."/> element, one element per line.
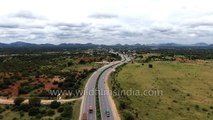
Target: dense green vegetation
<point x="33" y="71"/>
<point x="190" y="53"/>
<point x="33" y="110"/>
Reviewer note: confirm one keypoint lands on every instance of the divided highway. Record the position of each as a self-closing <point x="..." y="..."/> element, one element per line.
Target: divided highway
<point x="89" y="98"/>
<point x="104" y="96"/>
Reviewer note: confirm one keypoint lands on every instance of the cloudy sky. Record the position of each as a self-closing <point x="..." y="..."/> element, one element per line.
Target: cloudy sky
<point x="106" y="21"/>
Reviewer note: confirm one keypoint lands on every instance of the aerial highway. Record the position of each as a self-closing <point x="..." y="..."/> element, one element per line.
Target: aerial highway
<point x="89" y="95"/>
<point x="89" y="98"/>
<point x="106" y="107"/>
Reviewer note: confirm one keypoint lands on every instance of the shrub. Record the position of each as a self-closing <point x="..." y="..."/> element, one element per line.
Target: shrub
<point x="1" y="109"/>
<point x="188" y="108"/>
<point x="7" y="106"/>
<point x="174" y="101"/>
<point x="197" y="107"/>
<point x="67" y="113"/>
<point x="24" y="107"/>
<point x="43" y="111"/>
<point x="60" y="109"/>
<point x="123" y="104"/>
<point x="50" y="112"/>
<point x="55" y="82"/>
<point x="150" y="66"/>
<point x="1" y="116"/>
<point x="61" y="118"/>
<point x="18" y="101"/>
<point x="33" y="111"/>
<point x="128" y="115"/>
<point x="21" y="113"/>
<point x="44" y="93"/>
<point x="204" y="109"/>
<point x="35" y="102"/>
<point x="15" y="118"/>
<point x="55" y="104"/>
<point x="38" y="116"/>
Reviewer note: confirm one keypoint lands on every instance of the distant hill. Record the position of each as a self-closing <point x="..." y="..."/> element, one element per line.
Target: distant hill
<point x="200" y="44"/>
<point x="20" y="44"/>
<point x="2" y="44"/>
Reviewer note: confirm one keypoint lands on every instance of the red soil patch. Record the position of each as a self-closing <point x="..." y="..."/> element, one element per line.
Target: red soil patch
<point x="49" y="86"/>
<point x="12" y="90"/>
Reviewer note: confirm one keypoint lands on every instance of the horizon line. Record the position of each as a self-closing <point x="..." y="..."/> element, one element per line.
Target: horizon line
<point x="109" y="44"/>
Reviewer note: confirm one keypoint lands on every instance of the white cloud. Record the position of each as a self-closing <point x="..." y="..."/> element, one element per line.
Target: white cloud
<point x="106" y="21"/>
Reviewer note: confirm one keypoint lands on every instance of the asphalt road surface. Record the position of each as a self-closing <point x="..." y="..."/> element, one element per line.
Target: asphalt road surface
<point x="104" y="100"/>
<point x="89" y="96"/>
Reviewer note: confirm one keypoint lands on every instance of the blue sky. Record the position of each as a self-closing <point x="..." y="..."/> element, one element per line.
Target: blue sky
<point x="106" y="21"/>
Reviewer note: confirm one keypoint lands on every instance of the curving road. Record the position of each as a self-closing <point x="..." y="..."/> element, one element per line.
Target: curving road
<point x="89" y="97"/>
<point x="89" y="94"/>
<point x="104" y="96"/>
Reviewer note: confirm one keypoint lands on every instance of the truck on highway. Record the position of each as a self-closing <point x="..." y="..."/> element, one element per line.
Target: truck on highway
<point x="84" y="117"/>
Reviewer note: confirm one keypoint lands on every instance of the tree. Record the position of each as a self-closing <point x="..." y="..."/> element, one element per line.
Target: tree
<point x="24" y="107"/>
<point x="60" y="109"/>
<point x="123" y="104"/>
<point x="18" y="101"/>
<point x="70" y="63"/>
<point x="35" y="102"/>
<point x="55" y="104"/>
<point x="128" y="115"/>
<point x="33" y="111"/>
<point x="50" y="112"/>
<point x="44" y="93"/>
<point x="67" y="113"/>
<point x="150" y="66"/>
<point x="21" y="113"/>
<point x="2" y="109"/>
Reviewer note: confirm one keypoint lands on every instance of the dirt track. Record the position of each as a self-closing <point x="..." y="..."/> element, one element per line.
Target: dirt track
<point x="5" y="101"/>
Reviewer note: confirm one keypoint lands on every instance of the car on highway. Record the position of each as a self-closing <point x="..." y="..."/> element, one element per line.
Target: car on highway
<point x="107" y="112"/>
<point x="84" y="117"/>
<point x="90" y="109"/>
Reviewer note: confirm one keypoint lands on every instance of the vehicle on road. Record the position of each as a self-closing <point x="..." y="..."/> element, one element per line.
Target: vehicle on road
<point x="90" y="109"/>
<point x="107" y="112"/>
<point x="84" y="117"/>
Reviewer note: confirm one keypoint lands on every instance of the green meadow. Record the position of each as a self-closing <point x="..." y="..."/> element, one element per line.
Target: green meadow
<point x="187" y="90"/>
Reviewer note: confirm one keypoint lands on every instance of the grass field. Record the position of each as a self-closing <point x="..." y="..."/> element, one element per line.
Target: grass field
<point x="187" y="90"/>
<point x="76" y="110"/>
